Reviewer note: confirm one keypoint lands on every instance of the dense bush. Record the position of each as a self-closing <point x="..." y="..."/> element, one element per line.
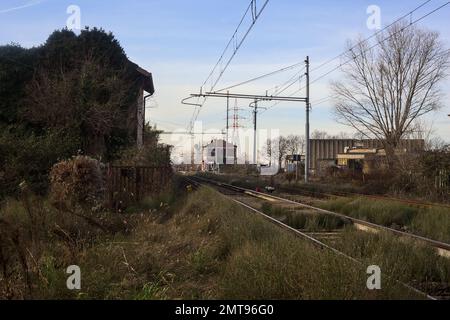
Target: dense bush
<point x="71" y="94"/>
<point x="153" y="153"/>
<point x="26" y="157"/>
<point x="77" y="182"/>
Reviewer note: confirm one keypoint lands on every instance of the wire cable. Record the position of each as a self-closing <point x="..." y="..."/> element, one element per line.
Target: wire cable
<point x="370" y="48"/>
<point x="290" y="67"/>
<point x="237" y="45"/>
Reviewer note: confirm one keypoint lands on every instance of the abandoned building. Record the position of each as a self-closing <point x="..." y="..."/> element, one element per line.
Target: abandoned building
<point x="362" y="155"/>
<point x="365" y="160"/>
<point x="136" y="112"/>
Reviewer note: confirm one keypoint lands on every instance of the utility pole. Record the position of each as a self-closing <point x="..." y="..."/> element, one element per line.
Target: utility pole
<point x="308" y="105"/>
<point x="255" y="113"/>
<point x="228" y="126"/>
<point x="255" y="127"/>
<point x="266" y="97"/>
<point x="192" y="150"/>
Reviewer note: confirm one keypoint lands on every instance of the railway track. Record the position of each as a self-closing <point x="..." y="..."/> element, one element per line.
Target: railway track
<point x="341" y="194"/>
<point x="241" y="196"/>
<point x="442" y="248"/>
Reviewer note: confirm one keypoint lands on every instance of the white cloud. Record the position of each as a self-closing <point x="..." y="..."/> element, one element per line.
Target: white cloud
<point x="28" y="4"/>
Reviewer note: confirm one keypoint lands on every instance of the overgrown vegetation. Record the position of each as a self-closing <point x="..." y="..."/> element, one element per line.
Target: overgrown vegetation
<point x="79" y="181"/>
<point x="75" y="94"/>
<point x="306" y="220"/>
<point x="153" y="152"/>
<point x="417" y="265"/>
<point x="421" y="266"/>
<point x="177" y="247"/>
<point x="28" y="157"/>
<point x="433" y="222"/>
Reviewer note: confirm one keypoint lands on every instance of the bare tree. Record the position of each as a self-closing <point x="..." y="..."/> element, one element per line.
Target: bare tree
<point x="358" y="135"/>
<point x="295" y="144"/>
<point x="318" y="134"/>
<point x="268" y="151"/>
<point x="280" y="149"/>
<point x="423" y="130"/>
<point x="391" y="84"/>
<point x="342" y="135"/>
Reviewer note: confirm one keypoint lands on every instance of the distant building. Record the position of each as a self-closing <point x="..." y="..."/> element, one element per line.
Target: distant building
<point x="324" y="152"/>
<point x="219" y="152"/>
<point x="362" y="159"/>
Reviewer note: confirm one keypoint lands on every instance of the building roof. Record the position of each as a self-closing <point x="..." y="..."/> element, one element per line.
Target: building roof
<point x="219" y="143"/>
<point x="145" y="78"/>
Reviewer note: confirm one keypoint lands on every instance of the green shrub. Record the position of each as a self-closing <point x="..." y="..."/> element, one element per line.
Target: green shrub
<point x="28" y="158"/>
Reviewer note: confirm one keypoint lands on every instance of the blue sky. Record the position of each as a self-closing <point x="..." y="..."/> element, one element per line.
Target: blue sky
<point x="180" y="41"/>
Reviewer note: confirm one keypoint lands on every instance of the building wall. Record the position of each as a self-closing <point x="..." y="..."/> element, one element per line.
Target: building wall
<point x="218" y="146"/>
<point x="327" y="149"/>
<point x="140" y="116"/>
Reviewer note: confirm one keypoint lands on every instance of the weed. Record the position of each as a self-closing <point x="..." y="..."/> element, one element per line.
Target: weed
<point x="431" y="222"/>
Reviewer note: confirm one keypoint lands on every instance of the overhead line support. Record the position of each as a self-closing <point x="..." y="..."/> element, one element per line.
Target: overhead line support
<point x="308" y="106"/>
<point x="248" y="96"/>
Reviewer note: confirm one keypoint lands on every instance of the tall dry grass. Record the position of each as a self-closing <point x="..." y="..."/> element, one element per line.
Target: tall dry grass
<point x="432" y="222"/>
<point x="196" y="246"/>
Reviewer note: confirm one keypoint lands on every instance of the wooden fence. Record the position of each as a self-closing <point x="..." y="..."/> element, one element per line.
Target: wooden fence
<point x="442" y="181"/>
<point x="127" y="185"/>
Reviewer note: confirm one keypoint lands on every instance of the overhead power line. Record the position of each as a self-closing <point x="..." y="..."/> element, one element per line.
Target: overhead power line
<point x="295" y="77"/>
<point x="372" y="36"/>
<point x="290" y="67"/>
<point x="370" y="48"/>
<point x="262" y="77"/>
<point x="234" y="40"/>
<point x="223" y="63"/>
<point x="379" y="42"/>
<point x="278" y="102"/>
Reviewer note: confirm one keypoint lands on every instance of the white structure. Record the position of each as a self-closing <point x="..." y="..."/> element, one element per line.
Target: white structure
<point x="219" y="152"/>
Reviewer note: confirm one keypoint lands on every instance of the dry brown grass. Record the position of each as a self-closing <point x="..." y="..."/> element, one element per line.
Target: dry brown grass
<point x="199" y="247"/>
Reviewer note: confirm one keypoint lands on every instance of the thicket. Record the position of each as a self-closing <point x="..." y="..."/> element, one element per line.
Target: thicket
<point x="78" y="182"/>
<point x="153" y="153"/>
<point x="69" y="96"/>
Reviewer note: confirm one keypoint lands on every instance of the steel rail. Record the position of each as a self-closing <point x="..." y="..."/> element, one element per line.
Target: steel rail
<point x="431" y="242"/>
<point x="303" y="235"/>
<point x="344" y="194"/>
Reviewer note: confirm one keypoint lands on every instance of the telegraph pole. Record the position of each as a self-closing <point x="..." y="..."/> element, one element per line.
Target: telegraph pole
<point x="255" y="128"/>
<point x="228" y="126"/>
<point x="308" y="105"/>
<point x="255" y="113"/>
<point x="192" y="150"/>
